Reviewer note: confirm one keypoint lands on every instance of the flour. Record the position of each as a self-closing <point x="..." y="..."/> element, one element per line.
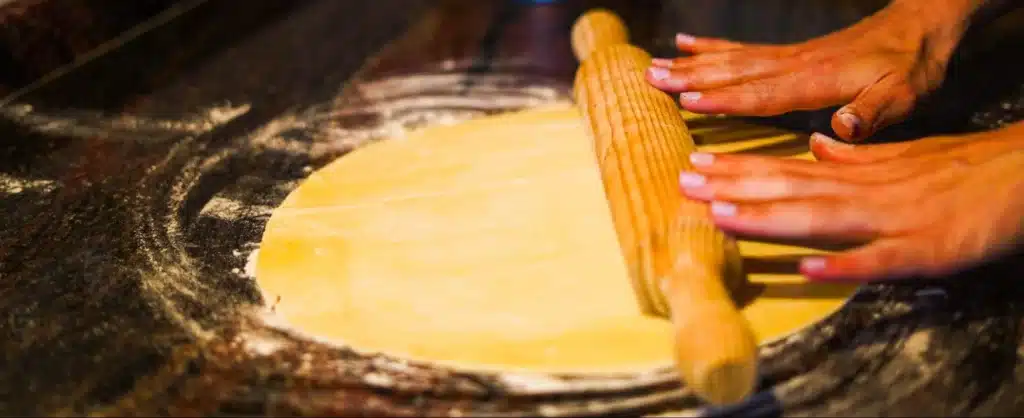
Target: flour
<point x="230" y="209"/>
<point x="13" y="185"/>
<point x="125" y="127"/>
<point x="250" y="264"/>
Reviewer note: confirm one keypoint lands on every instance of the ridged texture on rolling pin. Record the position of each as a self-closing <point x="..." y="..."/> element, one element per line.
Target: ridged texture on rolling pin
<point x="597" y="28"/>
<point x="670" y="244"/>
<point x="642" y="131"/>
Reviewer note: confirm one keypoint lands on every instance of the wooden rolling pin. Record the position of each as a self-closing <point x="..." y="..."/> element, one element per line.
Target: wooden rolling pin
<point x="680" y="264"/>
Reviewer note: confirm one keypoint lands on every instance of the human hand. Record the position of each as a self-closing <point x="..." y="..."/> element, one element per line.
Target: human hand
<point x="925" y="208"/>
<point x="878" y="68"/>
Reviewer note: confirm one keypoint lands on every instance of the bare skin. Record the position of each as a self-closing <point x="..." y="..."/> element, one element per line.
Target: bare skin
<point x="876" y="69"/>
<point x="925" y="208"/>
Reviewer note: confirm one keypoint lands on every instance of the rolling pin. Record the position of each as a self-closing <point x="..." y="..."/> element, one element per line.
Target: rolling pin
<point x="681" y="265"/>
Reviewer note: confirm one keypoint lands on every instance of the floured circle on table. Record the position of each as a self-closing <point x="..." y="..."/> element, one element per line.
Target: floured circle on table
<point x="488" y="246"/>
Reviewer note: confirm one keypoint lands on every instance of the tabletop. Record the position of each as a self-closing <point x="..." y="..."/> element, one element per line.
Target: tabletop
<point x="138" y="169"/>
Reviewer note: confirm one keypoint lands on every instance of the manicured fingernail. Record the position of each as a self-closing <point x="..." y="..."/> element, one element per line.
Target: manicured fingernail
<point x="828" y="140"/>
<point x="658" y="73"/>
<point x="702" y="159"/>
<point x="812" y="264"/>
<point x="690" y="96"/>
<point x="850" y="121"/>
<point x="661" y="62"/>
<point x="687" y="179"/>
<point x="682" y="38"/>
<point x="723" y="209"/>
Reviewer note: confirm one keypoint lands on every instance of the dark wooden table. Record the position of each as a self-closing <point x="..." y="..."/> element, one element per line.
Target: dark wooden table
<point x="135" y="185"/>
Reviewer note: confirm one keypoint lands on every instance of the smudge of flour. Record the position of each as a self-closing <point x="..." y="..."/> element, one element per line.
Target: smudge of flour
<point x="14" y="185"/>
<point x="230" y="209"/>
<point x="262" y="345"/>
<point x="127" y="127"/>
<point x="250" y="264"/>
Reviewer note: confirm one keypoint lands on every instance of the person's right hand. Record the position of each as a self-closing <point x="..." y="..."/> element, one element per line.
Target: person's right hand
<point x="924" y="208"/>
<point x="878" y="68"/>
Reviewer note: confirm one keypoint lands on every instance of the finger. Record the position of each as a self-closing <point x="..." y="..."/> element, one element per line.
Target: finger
<point x="825" y="148"/>
<point x="698" y="45"/>
<point x="820" y="218"/>
<point x="763" y="97"/>
<point x="882" y="260"/>
<point x="664" y="80"/>
<point x="728" y="165"/>
<point x="881" y="104"/>
<point x="864" y="175"/>
<point x="716" y="70"/>
<point x="746" y="188"/>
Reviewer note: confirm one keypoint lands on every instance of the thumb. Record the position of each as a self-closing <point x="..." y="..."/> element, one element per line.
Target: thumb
<point x="883" y="259"/>
<point x="825" y="148"/>
<point x="888" y="101"/>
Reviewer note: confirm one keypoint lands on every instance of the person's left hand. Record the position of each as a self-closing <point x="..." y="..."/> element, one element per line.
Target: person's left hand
<point x="925" y="208"/>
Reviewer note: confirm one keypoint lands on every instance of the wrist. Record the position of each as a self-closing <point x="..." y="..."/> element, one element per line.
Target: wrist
<point x="940" y="23"/>
<point x="939" y="15"/>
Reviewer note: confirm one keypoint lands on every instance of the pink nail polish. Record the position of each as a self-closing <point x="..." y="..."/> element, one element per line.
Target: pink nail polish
<point x="658" y="73"/>
<point x="690" y="96"/>
<point x="702" y="159"/>
<point x="828" y="140"/>
<point x="850" y="121"/>
<point x="812" y="264"/>
<point x="689" y="180"/>
<point x="682" y="38"/>
<point x="723" y="209"/>
<point x="661" y="62"/>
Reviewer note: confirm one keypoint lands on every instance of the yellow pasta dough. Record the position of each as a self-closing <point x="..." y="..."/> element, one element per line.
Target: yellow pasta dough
<point x="486" y="245"/>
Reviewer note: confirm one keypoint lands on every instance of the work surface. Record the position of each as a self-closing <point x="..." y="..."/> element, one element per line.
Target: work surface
<point x="134" y="190"/>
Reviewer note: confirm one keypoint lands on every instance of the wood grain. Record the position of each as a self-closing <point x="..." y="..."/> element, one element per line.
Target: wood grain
<point x="680" y="264"/>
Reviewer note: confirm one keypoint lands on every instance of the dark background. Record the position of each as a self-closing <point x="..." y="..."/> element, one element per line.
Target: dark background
<point x="129" y="211"/>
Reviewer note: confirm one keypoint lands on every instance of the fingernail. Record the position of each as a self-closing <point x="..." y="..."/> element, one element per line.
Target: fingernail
<point x="659" y="73"/>
<point x="690" y="96"/>
<point x="682" y="38"/>
<point x="812" y="264"/>
<point x="687" y="179"/>
<point x="661" y="62"/>
<point x="723" y="209"/>
<point x="850" y="121"/>
<point x="829" y="140"/>
<point x="702" y="159"/>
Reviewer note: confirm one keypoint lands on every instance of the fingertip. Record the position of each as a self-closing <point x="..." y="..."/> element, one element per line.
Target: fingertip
<point x="658" y="73"/>
<point x="697" y="102"/>
<point x="689" y="98"/>
<point x="813" y="265"/>
<point x="850" y="125"/>
<point x="825" y="147"/>
<point x="662" y="62"/>
<point x="824" y="139"/>
<point x="841" y="130"/>
<point x="721" y="209"/>
<point x="825" y="269"/>
<point x="699" y="193"/>
<point x="701" y="159"/>
<point x="663" y="79"/>
<point x="685" y="41"/>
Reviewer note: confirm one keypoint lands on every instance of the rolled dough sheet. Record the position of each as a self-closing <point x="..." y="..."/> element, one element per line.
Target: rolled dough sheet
<point x="486" y="245"/>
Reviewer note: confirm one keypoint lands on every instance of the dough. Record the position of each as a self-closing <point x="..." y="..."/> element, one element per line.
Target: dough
<point x="486" y="245"/>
